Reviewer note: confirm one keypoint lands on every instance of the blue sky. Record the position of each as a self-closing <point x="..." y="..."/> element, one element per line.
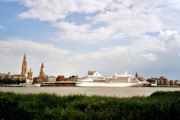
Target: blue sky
<point x="109" y="36"/>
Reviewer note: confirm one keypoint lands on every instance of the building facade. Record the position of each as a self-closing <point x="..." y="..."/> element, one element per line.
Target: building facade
<point x="37" y="80"/>
<point x="60" y="78"/>
<point x="47" y="78"/>
<point x="171" y="82"/>
<point x="177" y="82"/>
<point x="5" y="75"/>
<point x="19" y="77"/>
<point x="73" y="78"/>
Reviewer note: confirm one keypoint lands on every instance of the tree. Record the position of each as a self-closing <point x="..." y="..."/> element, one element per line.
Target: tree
<point x="23" y="81"/>
<point x="18" y="81"/>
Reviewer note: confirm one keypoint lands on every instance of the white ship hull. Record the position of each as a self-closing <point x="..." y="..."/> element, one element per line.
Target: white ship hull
<point x="109" y="84"/>
<point x="36" y="85"/>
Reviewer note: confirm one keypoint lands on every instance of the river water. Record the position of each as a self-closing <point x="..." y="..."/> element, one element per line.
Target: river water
<point x="103" y="91"/>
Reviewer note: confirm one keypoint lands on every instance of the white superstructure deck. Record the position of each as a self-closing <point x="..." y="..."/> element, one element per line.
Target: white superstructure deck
<point x="122" y="80"/>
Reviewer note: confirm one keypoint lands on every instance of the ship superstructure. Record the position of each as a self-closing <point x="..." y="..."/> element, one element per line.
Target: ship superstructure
<point x="122" y="80"/>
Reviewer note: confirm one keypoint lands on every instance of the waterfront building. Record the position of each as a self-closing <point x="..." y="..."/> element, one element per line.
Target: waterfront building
<point x="19" y="77"/>
<point x="152" y="81"/>
<point x="167" y="82"/>
<point x="41" y="73"/>
<point x="73" y="78"/>
<point x="60" y="78"/>
<point x="162" y="82"/>
<point x="139" y="78"/>
<point x="37" y="80"/>
<point x="171" y="82"/>
<point x="50" y="79"/>
<point x="45" y="78"/>
<point x="159" y="81"/>
<point x="177" y="82"/>
<point x="2" y="75"/>
<point x="5" y="75"/>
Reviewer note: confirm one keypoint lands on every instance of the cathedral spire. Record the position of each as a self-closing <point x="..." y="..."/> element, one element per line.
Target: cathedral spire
<point x="24" y="65"/>
<point x="24" y="56"/>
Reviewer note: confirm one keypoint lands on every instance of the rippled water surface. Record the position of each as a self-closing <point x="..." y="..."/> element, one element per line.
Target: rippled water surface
<point x="108" y="91"/>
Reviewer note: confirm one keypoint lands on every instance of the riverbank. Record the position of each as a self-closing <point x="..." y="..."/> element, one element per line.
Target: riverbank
<point x="159" y="105"/>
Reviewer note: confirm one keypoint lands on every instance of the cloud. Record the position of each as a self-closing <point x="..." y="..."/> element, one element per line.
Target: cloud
<point x="105" y="19"/>
<point x="169" y="35"/>
<point x="71" y="26"/>
<point x="88" y="18"/>
<point x="1" y="26"/>
<point x="48" y="10"/>
<point x="83" y="32"/>
<point x="126" y="19"/>
<point x="17" y="44"/>
<point x="149" y="56"/>
<point x="171" y="40"/>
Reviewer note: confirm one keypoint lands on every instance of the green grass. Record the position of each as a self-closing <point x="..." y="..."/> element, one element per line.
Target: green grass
<point x="159" y="105"/>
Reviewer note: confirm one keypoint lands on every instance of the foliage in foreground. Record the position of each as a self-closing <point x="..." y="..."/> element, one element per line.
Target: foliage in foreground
<point x="159" y="105"/>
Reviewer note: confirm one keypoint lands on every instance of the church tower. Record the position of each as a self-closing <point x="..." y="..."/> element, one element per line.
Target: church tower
<point x="24" y="66"/>
<point x="136" y="75"/>
<point x="42" y="71"/>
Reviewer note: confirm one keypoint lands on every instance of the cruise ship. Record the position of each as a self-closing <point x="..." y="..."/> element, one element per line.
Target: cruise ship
<point x="94" y="79"/>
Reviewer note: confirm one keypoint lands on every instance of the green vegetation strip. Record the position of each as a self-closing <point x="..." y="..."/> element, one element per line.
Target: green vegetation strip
<point x="158" y="106"/>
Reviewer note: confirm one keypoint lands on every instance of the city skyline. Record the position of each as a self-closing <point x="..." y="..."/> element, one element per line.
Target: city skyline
<point x="108" y="36"/>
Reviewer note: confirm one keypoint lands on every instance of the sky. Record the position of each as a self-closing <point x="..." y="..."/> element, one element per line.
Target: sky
<point x="109" y="36"/>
